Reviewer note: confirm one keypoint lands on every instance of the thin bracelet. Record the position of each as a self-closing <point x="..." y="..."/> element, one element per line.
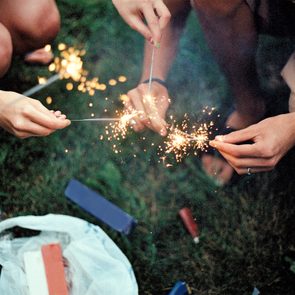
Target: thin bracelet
<point x="163" y="83"/>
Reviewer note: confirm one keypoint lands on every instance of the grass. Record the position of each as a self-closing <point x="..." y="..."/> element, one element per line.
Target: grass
<point x="247" y="229"/>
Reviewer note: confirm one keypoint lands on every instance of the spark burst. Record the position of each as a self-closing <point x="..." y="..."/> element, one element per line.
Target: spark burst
<point x="117" y="130"/>
<point x="183" y="140"/>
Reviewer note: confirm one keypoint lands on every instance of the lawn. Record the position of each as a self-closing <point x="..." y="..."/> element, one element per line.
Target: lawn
<point x="247" y="228"/>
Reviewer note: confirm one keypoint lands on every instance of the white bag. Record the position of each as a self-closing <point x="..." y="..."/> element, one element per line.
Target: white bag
<point x="96" y="266"/>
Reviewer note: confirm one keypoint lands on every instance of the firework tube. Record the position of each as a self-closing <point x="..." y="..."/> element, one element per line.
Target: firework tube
<point x="190" y="223"/>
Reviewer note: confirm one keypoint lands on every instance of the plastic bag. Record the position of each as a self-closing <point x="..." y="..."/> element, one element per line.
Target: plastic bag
<point x="96" y="266"/>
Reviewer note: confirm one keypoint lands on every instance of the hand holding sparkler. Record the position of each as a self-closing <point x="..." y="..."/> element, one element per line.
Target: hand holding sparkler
<point x="154" y="12"/>
<point x="152" y="107"/>
<point x="25" y="117"/>
<point x="272" y="138"/>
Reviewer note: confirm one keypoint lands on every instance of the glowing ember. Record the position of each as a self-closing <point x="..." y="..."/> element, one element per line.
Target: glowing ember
<point x="69" y="65"/>
<point x="49" y="100"/>
<point x="122" y="79"/>
<point x="42" y="80"/>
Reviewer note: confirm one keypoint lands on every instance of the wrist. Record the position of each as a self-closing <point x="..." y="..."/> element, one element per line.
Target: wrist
<point x="157" y="80"/>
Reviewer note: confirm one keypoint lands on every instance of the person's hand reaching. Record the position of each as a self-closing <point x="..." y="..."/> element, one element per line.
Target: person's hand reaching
<point x="25" y="117"/>
<point x="148" y="17"/>
<point x="151" y="108"/>
<point x="272" y="138"/>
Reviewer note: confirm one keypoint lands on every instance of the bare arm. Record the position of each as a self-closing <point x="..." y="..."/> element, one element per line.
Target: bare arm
<point x="165" y="55"/>
<point x="164" y="58"/>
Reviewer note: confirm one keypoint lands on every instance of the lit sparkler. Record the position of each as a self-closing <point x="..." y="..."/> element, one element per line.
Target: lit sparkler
<point x="119" y="129"/>
<point x="151" y="70"/>
<point x="182" y="140"/>
<point x="96" y="120"/>
<point x="69" y="65"/>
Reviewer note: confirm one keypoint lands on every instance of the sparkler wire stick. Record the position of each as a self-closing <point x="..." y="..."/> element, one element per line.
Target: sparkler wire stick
<point x="39" y="87"/>
<point x="151" y="71"/>
<point x="96" y="120"/>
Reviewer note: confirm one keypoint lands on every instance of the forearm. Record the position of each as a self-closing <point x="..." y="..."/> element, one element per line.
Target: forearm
<point x="165" y="55"/>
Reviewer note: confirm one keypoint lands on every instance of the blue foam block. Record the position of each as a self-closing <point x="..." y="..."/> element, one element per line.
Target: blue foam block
<point x="99" y="207"/>
<point x="180" y="288"/>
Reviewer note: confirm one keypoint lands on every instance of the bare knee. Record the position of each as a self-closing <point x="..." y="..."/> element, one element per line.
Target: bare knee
<point x="217" y="8"/>
<point x="40" y="26"/>
<point x="5" y="50"/>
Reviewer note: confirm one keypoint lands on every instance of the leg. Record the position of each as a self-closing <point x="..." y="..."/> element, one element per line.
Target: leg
<point x="31" y="23"/>
<point x="5" y="50"/>
<point x="230" y="30"/>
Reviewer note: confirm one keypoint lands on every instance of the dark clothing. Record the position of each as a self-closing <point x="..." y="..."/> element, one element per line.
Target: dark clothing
<point x="274" y="17"/>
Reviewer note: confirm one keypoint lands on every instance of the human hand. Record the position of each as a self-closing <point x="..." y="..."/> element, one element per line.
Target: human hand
<point x="151" y="108"/>
<point x="272" y="138"/>
<point x="154" y="12"/>
<point x="25" y="117"/>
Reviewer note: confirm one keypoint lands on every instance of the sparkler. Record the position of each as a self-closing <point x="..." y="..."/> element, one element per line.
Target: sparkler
<point x="69" y="65"/>
<point x="183" y="140"/>
<point x="39" y="87"/>
<point x="148" y="99"/>
<point x="96" y="120"/>
<point x="151" y="71"/>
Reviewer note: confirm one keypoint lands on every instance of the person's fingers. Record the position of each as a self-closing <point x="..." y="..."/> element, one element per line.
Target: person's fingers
<point x="243" y="150"/>
<point x="255" y="165"/>
<point x="21" y="135"/>
<point x="135" y="122"/>
<point x="163" y="12"/>
<point x="152" y="22"/>
<point x="136" y="23"/>
<point x="41" y="115"/>
<point x="136" y="101"/>
<point x="156" y="123"/>
<point x="254" y="170"/>
<point x="62" y="117"/>
<point x="57" y="114"/>
<point x="47" y="120"/>
<point x="33" y="129"/>
<point x="163" y="103"/>
<point x="237" y="136"/>
<point x="243" y="163"/>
